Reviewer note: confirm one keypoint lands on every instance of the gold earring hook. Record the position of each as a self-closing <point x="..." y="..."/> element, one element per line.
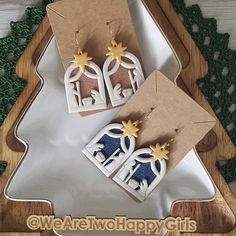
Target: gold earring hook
<point x="145" y="116"/>
<point x="81" y="59"/>
<point x="76" y="37"/>
<point x="131" y="128"/>
<point x="77" y="32"/>
<point x="177" y="131"/>
<point x="77" y="41"/>
<point x="115" y="50"/>
<point x="160" y="152"/>
<point x="108" y="23"/>
<point x="112" y="32"/>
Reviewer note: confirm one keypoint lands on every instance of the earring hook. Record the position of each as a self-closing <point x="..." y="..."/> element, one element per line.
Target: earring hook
<point x="77" y="32"/>
<point x="177" y="131"/>
<point x="77" y="41"/>
<point x="111" y="31"/>
<point x="76" y="37"/>
<point x="108" y="23"/>
<point x="145" y="116"/>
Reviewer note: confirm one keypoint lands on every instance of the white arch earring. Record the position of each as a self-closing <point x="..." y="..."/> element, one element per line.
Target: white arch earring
<point x="80" y="70"/>
<point x="118" y="56"/>
<point x="144" y="170"/>
<point x="113" y="145"/>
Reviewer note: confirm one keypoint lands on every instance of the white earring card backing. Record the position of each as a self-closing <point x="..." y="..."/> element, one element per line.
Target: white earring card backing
<point x="109" y="149"/>
<point x="95" y="98"/>
<point x="141" y="173"/>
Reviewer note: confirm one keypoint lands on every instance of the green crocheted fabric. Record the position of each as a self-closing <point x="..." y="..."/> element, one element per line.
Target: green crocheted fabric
<point x="11" y="48"/>
<point x="219" y="85"/>
<point x="228" y="170"/>
<point x="3" y="166"/>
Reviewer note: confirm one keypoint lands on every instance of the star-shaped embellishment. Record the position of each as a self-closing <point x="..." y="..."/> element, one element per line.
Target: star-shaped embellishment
<point x="81" y="60"/>
<point x="116" y="50"/>
<point x="130" y="129"/>
<point x="159" y="152"/>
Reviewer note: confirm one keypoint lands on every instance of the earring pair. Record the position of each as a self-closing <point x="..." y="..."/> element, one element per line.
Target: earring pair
<point x="83" y="70"/>
<point x="138" y="171"/>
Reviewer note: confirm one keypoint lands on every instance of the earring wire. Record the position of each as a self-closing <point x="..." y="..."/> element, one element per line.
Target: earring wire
<point x="108" y="23"/>
<point x="76" y="37"/>
<point x="77" y="32"/>
<point x="111" y="31"/>
<point x="177" y="131"/>
<point x="145" y="116"/>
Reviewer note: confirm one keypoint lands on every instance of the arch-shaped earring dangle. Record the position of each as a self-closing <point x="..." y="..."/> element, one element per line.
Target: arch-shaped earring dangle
<point x="114" y="144"/>
<point x="118" y="56"/>
<point x="83" y="96"/>
<point x="144" y="169"/>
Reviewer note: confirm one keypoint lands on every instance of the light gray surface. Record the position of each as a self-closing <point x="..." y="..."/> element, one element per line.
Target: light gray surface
<point x="224" y="11"/>
<point x="12" y="10"/>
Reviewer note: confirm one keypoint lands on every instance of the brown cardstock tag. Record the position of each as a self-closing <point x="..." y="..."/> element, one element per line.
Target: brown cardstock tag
<point x="90" y="17"/>
<point x="173" y="110"/>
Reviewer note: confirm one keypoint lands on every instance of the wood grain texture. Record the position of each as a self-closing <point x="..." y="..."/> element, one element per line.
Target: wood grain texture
<point x="224" y="13"/>
<point x="224" y="148"/>
<point x="21" y="234"/>
<point x="13" y="215"/>
<point x="185" y="47"/>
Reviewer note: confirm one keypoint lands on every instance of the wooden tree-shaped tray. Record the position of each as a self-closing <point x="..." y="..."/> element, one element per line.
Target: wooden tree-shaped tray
<point x="210" y="150"/>
<point x="214" y="216"/>
<point x="13" y="214"/>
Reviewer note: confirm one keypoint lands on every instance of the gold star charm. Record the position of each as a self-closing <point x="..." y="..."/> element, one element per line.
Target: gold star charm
<point x="130" y="129"/>
<point x="81" y="60"/>
<point x="159" y="152"/>
<point x="116" y="50"/>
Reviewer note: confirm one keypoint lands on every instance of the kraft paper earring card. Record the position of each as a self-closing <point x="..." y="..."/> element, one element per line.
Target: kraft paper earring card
<point x="173" y="124"/>
<point x="174" y="109"/>
<point x="67" y="16"/>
